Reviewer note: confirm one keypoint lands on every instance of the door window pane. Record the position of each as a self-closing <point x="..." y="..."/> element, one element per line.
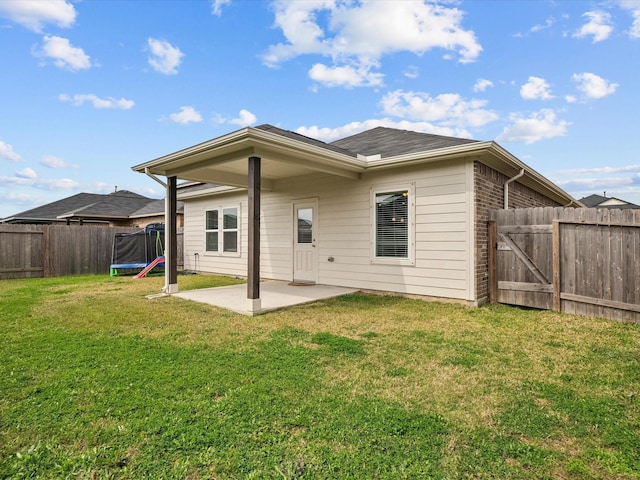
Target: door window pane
<point x="305" y="225"/>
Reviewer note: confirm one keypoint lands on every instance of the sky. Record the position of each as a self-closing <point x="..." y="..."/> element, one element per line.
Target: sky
<point x="90" y="88"/>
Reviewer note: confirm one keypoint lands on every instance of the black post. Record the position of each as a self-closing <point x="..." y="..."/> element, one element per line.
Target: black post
<point x="253" y="267"/>
<point x="173" y="231"/>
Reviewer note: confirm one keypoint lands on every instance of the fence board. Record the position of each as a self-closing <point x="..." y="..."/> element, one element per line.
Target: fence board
<point x="583" y="261"/>
<point x="58" y="250"/>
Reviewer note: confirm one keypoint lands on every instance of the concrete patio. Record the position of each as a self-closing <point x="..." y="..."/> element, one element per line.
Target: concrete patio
<point x="274" y="296"/>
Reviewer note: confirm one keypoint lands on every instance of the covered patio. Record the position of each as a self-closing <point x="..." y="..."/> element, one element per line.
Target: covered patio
<point x="275" y="296"/>
<point x="254" y="159"/>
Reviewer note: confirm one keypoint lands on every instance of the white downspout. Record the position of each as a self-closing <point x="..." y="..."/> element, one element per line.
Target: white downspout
<point x="506" y="188"/>
<point x="167" y="240"/>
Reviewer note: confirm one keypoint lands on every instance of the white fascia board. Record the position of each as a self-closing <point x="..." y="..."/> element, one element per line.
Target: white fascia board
<point x="208" y="191"/>
<point x="437" y="155"/>
<point x="247" y="140"/>
<point x="479" y="150"/>
<point x="192" y="151"/>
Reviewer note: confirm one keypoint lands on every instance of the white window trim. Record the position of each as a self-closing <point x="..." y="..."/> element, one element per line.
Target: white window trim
<point x="411" y="189"/>
<point x="221" y="230"/>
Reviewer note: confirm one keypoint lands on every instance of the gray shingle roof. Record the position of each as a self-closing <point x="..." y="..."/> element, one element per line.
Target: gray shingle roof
<point x="118" y="204"/>
<point x="595" y="201"/>
<point x="301" y="138"/>
<point x="389" y="142"/>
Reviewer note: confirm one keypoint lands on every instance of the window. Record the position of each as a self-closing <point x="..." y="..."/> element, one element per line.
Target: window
<point x="222" y="230"/>
<point x="305" y="225"/>
<point x="211" y="231"/>
<point x="230" y="230"/>
<point x="392" y="232"/>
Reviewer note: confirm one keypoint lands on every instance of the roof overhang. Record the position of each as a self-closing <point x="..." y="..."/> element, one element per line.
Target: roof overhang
<point x="489" y="153"/>
<point x="223" y="161"/>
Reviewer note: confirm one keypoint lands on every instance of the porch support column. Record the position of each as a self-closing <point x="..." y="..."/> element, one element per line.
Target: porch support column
<point x="171" y="238"/>
<point x="253" y="267"/>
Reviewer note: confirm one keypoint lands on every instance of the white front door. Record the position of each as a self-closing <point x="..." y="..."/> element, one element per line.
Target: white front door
<point x="305" y="252"/>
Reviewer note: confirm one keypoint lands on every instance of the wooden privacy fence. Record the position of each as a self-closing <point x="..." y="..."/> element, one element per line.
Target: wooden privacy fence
<point x="574" y="260"/>
<point x="58" y="250"/>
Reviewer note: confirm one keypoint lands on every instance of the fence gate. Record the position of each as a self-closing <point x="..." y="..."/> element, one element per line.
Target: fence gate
<point x="582" y="261"/>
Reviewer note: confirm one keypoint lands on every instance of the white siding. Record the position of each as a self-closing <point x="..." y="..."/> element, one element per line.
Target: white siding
<point x="443" y="231"/>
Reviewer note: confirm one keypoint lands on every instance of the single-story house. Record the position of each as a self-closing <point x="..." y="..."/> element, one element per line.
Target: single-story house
<point x="383" y="210"/>
<point x="602" y="201"/>
<point x="121" y="208"/>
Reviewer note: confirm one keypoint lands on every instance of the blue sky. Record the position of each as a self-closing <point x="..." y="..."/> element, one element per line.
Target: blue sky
<point x="90" y="88"/>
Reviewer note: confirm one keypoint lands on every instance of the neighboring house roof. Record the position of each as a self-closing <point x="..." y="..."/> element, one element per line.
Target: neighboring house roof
<point x="92" y="207"/>
<point x="599" y="201"/>
<point x="286" y="154"/>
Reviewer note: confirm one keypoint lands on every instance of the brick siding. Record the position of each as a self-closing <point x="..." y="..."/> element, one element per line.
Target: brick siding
<point x="489" y="195"/>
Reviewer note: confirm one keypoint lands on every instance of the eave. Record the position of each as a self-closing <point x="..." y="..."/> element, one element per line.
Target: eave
<point x="223" y="160"/>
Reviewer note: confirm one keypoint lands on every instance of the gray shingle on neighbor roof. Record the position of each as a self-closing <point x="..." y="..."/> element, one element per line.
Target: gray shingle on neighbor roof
<point x="595" y="200"/>
<point x="389" y="142"/>
<point x="155" y="208"/>
<point x="53" y="209"/>
<point x="117" y="204"/>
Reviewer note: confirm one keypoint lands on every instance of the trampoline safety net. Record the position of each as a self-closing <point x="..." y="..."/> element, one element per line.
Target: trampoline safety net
<point x="141" y="247"/>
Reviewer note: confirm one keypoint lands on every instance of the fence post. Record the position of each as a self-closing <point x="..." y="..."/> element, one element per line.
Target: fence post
<point x="556" y="265"/>
<point x="491" y="250"/>
<point x="46" y="251"/>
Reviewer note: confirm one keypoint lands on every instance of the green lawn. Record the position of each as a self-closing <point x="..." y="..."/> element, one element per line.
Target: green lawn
<point x="98" y="382"/>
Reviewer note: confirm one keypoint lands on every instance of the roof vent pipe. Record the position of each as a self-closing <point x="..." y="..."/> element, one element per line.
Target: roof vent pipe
<point x="506" y="188"/>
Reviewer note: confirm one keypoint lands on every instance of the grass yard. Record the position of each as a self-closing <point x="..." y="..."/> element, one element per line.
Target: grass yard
<point x="97" y="382"/>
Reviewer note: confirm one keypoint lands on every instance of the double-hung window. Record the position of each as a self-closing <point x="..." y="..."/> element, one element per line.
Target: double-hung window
<point x="392" y="225"/>
<point x="212" y="231"/>
<point x="230" y="230"/>
<point x="222" y="230"/>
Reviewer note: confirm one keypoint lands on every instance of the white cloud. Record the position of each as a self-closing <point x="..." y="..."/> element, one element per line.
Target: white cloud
<point x="51" y="161"/>
<point x="100" y="103"/>
<point x="331" y="134"/>
<point x="593" y="86"/>
<point x="540" y="125"/>
<point x="216" y="6"/>
<point x="601" y="170"/>
<point x="6" y="151"/>
<point x="28" y="178"/>
<point x="595" y="184"/>
<point x="63" y="54"/>
<point x="34" y="14"/>
<point x="482" y="84"/>
<point x="411" y="72"/>
<point x="27" y="173"/>
<point x="186" y="115"/>
<point x="358" y="34"/>
<point x="543" y="26"/>
<point x="599" y="26"/>
<point x="536" y="88"/>
<point x="165" y="58"/>
<point x="244" y="119"/>
<point x="346" y="76"/>
<point x="448" y="109"/>
<point x="633" y="6"/>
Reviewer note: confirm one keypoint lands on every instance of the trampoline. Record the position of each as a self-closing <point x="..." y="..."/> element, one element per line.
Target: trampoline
<point x="134" y="252"/>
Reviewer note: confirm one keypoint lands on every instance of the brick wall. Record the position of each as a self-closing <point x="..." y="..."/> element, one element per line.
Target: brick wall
<point x="489" y="195"/>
